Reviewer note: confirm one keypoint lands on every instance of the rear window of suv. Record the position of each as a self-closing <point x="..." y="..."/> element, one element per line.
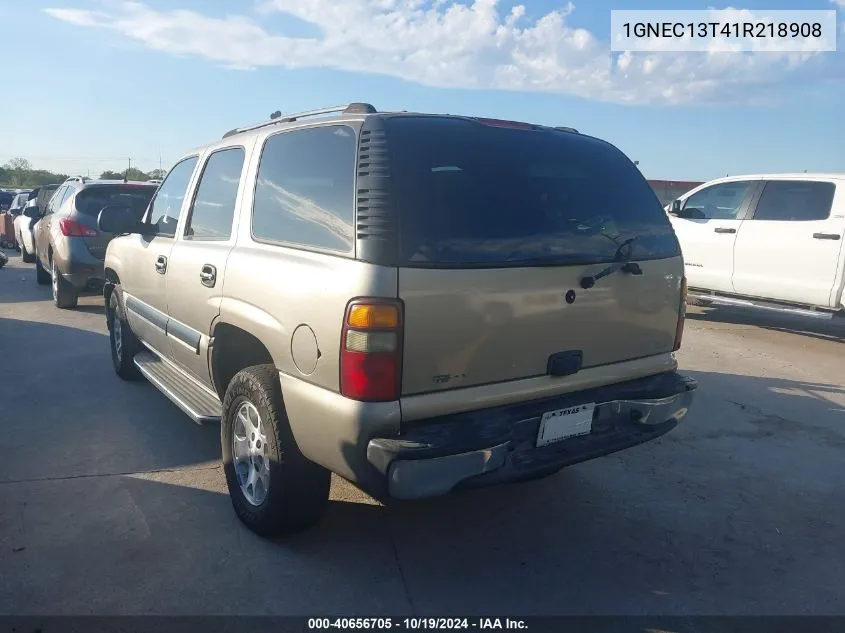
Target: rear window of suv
<point x="472" y="194"/>
<point x="91" y="200"/>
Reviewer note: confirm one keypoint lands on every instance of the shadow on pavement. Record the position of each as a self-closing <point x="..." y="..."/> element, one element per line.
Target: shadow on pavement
<point x="823" y="329"/>
<point x="60" y="380"/>
<point x="91" y="309"/>
<point x="739" y="510"/>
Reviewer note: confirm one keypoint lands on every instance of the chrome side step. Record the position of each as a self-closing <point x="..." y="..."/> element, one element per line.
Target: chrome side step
<point x="736" y="302"/>
<point x="199" y="403"/>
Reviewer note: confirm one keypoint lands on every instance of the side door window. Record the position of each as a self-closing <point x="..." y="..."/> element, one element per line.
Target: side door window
<point x="305" y="192"/>
<point x="56" y="200"/>
<point x="724" y="201"/>
<point x="213" y="208"/>
<point x="795" y="201"/>
<point x="163" y="212"/>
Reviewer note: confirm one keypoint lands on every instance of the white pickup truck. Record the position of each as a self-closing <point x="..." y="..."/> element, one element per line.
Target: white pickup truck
<point x="768" y="241"/>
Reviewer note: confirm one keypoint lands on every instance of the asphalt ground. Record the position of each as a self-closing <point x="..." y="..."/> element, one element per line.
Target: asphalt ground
<point x="113" y="502"/>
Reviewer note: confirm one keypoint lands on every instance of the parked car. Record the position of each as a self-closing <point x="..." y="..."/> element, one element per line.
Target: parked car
<point x="767" y="241"/>
<point x="7" y="220"/>
<point x="69" y="249"/>
<point x="415" y="302"/>
<point x="6" y="198"/>
<point x="25" y="222"/>
<point x="23" y="226"/>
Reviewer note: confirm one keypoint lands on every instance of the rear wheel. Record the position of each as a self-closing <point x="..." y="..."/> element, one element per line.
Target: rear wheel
<point x="275" y="490"/>
<point x="122" y="340"/>
<point x="42" y="277"/>
<point x="64" y="294"/>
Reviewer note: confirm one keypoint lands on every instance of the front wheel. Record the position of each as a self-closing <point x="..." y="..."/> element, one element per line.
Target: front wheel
<point x="64" y="294"/>
<point x="275" y="489"/>
<point x="122" y="340"/>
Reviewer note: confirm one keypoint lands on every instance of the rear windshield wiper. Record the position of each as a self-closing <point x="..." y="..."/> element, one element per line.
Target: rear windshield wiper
<point x="622" y="261"/>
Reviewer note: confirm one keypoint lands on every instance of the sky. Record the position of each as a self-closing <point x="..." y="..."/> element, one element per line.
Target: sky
<point x="92" y="83"/>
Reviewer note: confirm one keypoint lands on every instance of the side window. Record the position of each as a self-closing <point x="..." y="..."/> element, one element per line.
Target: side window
<point x="214" y="202"/>
<point x="305" y="188"/>
<point x="719" y="202"/>
<point x="163" y="213"/>
<point x="795" y="201"/>
<point x="56" y="200"/>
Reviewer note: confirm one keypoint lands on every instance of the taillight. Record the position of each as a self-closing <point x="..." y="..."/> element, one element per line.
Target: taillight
<point x="682" y="315"/>
<point x="371" y="350"/>
<point x="72" y="228"/>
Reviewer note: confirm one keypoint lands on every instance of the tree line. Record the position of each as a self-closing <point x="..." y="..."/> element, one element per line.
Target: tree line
<point x="19" y="173"/>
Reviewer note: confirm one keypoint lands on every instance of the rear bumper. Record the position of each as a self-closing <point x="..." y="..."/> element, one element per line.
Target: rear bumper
<point x="78" y="266"/>
<point x="498" y="445"/>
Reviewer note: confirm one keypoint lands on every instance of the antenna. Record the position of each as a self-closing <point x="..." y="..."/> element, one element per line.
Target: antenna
<point x="126" y="175"/>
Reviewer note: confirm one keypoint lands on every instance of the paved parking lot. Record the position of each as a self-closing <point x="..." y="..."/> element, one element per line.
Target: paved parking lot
<point x="112" y="502"/>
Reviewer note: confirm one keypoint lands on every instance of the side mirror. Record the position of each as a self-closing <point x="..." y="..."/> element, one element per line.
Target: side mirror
<point x="118" y="219"/>
<point x="676" y="208"/>
<point x="33" y="212"/>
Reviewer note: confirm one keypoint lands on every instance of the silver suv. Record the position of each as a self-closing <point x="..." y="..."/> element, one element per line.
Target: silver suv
<point x="415" y="302"/>
<point x="69" y="249"/>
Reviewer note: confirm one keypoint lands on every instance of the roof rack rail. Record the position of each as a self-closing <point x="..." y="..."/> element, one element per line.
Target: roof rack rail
<point x="567" y="129"/>
<point x="78" y="179"/>
<point x="278" y="117"/>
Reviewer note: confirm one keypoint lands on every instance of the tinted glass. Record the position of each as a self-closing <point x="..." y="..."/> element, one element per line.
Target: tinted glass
<point x="57" y="200"/>
<point x="91" y="200"/>
<point x="163" y="214"/>
<point x="476" y="195"/>
<point x="719" y="202"/>
<point x="305" y="189"/>
<point x="44" y="195"/>
<point x="214" y="203"/>
<point x="795" y="201"/>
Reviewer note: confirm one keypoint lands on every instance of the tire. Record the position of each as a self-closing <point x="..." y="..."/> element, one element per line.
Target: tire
<point x="297" y="491"/>
<point x="42" y="277"/>
<point x="26" y="256"/>
<point x="122" y="340"/>
<point x="64" y="294"/>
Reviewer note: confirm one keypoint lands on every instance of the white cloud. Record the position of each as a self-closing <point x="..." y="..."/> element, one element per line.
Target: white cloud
<point x="445" y="43"/>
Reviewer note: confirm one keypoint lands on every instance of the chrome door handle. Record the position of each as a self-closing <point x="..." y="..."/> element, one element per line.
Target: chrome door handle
<point x="826" y="236"/>
<point x="161" y="264"/>
<point x="721" y="229"/>
<point x="208" y="276"/>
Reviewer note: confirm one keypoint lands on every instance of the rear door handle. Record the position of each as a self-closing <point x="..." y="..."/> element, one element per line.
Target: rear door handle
<point x="826" y="236"/>
<point x="161" y="264"/>
<point x="208" y="275"/>
<point x="722" y="229"/>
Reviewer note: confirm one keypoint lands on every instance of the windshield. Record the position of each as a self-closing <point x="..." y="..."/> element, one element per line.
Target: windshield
<point x="91" y="200"/>
<point x="477" y="195"/>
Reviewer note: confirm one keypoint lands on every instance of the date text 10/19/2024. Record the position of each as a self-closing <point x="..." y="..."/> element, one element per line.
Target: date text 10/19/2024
<point x="417" y="624"/>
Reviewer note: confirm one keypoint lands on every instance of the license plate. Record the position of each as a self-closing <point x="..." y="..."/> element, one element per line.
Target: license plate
<point x="564" y="423"/>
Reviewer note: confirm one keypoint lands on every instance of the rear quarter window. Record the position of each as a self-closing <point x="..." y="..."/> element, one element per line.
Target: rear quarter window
<point x="470" y="194"/>
<point x="304" y="194"/>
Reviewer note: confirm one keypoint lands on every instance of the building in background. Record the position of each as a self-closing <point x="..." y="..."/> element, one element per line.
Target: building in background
<point x="668" y="190"/>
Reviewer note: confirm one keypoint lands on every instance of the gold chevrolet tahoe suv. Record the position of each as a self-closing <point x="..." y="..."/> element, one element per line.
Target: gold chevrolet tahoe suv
<point x="416" y="302"/>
